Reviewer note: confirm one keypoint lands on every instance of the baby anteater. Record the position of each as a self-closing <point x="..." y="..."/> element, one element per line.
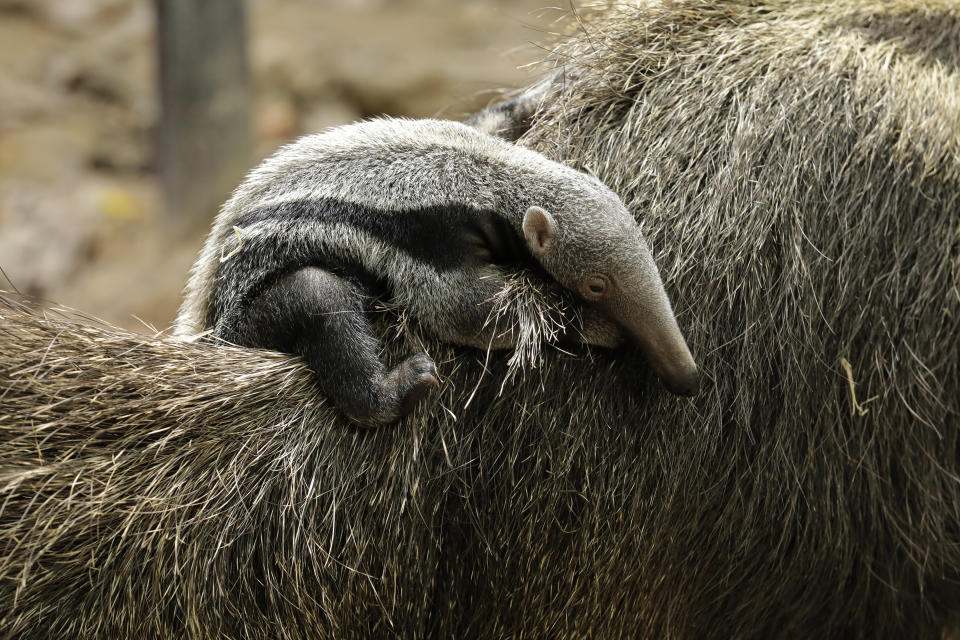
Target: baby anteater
<point x="425" y="214"/>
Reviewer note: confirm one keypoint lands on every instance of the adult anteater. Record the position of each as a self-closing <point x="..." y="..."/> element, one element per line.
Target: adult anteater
<point x="797" y="167"/>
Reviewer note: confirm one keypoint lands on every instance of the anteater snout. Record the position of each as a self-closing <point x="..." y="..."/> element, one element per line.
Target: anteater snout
<point x="665" y="349"/>
<point x="683" y="383"/>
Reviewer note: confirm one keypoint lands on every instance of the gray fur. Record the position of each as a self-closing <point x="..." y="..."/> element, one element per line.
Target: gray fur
<point x="354" y="163"/>
<point x="393" y="173"/>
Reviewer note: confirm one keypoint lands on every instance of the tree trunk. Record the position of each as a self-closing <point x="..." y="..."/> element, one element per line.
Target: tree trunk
<point x="204" y="135"/>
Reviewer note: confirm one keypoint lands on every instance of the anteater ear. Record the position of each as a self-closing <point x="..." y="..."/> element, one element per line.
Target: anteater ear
<point x="540" y="231"/>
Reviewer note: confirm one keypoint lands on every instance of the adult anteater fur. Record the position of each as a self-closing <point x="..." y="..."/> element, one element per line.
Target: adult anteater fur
<point x="797" y="169"/>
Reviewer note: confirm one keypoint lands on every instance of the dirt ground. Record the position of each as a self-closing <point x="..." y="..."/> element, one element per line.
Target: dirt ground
<point x="79" y="201"/>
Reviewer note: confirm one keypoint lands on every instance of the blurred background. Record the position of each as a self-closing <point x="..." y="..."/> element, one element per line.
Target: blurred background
<point x="108" y="184"/>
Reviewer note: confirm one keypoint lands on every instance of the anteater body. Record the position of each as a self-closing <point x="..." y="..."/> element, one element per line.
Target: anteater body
<point x="797" y="168"/>
<point x="425" y="213"/>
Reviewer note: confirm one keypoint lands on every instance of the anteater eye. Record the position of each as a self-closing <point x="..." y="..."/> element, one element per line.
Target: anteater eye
<point x="594" y="287"/>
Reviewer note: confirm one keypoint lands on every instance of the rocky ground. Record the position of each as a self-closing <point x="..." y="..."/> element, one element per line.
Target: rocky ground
<point x="79" y="204"/>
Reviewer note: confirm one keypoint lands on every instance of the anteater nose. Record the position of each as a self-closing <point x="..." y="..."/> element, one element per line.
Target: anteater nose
<point x="685" y="384"/>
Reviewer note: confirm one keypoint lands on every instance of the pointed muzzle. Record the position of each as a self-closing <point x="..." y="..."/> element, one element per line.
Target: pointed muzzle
<point x="668" y="354"/>
<point x="648" y="320"/>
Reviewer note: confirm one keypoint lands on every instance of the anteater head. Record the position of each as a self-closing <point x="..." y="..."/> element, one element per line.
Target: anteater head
<point x="602" y="256"/>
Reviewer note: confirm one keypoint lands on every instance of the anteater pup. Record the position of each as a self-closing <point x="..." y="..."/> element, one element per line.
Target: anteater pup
<point x="425" y="211"/>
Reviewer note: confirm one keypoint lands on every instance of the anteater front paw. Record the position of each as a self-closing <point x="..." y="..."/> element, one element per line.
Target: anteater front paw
<point x="413" y="378"/>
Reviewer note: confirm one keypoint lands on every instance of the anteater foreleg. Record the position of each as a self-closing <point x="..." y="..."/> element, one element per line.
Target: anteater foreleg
<point x="321" y="317"/>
